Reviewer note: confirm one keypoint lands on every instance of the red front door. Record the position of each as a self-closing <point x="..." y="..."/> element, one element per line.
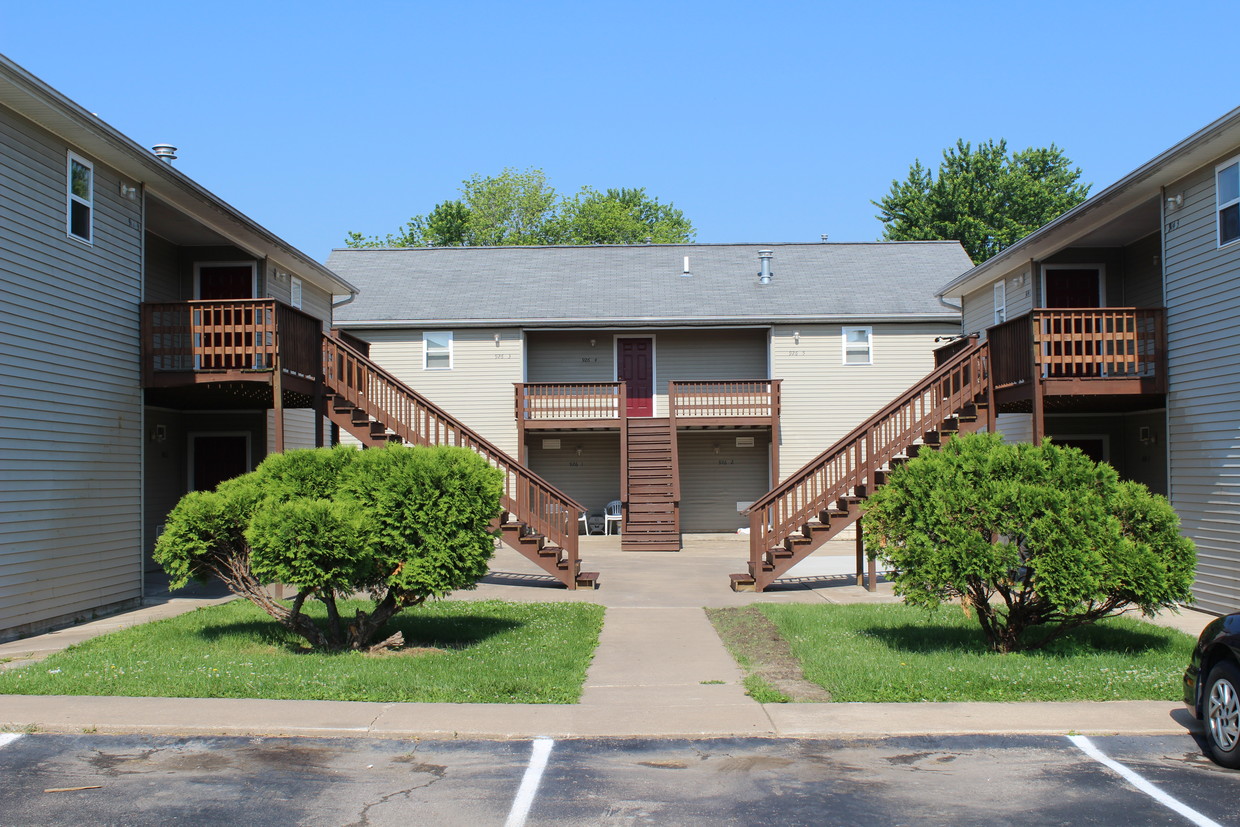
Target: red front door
<point x="635" y="367"/>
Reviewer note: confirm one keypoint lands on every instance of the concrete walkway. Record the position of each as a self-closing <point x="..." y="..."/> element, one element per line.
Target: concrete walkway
<point x="659" y="671"/>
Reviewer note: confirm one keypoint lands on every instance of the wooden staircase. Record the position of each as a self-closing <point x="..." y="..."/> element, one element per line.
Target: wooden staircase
<point x="824" y="497"/>
<point x="538" y="520"/>
<point x="650" y="485"/>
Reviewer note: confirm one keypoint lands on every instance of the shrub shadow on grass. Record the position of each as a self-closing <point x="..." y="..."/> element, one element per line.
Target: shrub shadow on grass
<point x="457" y="632"/>
<point x="934" y="638"/>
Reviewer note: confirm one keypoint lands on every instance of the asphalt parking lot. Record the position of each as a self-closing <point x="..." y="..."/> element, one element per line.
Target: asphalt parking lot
<point x="958" y="780"/>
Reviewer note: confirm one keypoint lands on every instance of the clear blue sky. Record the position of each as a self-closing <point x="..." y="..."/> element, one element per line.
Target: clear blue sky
<point x="763" y="122"/>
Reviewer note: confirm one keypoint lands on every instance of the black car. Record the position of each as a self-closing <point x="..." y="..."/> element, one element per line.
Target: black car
<point x="1212" y="688"/>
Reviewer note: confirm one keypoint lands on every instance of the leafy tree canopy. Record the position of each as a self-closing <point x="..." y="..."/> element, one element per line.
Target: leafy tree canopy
<point x="1026" y="536"/>
<point x="521" y="207"/>
<point x="985" y="198"/>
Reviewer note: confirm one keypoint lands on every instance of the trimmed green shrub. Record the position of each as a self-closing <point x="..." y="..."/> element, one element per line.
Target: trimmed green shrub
<point x="1026" y="536"/>
<point x="401" y="524"/>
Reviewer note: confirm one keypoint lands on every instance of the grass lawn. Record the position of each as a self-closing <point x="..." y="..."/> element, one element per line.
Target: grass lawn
<point x="899" y="653"/>
<point x="470" y="652"/>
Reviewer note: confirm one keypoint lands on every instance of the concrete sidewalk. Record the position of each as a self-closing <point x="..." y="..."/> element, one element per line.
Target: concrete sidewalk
<point x="659" y="671"/>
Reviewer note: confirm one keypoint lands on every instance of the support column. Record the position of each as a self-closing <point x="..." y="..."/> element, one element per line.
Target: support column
<point x="277" y="404"/>
<point x="860" y="555"/>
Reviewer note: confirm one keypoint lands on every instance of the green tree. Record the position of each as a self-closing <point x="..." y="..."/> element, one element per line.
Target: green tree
<point x="401" y="524"/>
<point x="620" y="216"/>
<point x="1026" y="536"/>
<point x="521" y="207"/>
<point x="985" y="198"/>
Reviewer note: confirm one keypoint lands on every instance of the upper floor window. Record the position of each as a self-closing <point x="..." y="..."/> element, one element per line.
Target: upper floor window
<point x="858" y="348"/>
<point x="294" y="291"/>
<point x="80" y="199"/>
<point x="1227" y="178"/>
<point x="1000" y="302"/>
<point x="437" y="349"/>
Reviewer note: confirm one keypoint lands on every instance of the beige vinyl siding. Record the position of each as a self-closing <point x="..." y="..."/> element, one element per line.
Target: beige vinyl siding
<point x="314" y="300"/>
<point x="298" y="429"/>
<point x="478" y="390"/>
<point x="1203" y="406"/>
<point x="711" y="484"/>
<point x="591" y="478"/>
<point x="978" y="311"/>
<point x="70" y="402"/>
<point x="1015" y="427"/>
<point x="570" y="357"/>
<point x="823" y="399"/>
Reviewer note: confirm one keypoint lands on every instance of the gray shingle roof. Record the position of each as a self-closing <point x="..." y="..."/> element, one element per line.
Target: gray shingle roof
<point x="606" y="285"/>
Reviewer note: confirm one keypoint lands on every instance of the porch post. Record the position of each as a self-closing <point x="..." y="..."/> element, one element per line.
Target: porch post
<point x="277" y="404"/>
<point x="860" y="554"/>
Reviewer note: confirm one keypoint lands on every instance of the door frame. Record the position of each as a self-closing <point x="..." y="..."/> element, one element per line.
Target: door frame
<point x="189" y="449"/>
<point x="1102" y="279"/>
<point x="654" y="375"/>
<point x="251" y="263"/>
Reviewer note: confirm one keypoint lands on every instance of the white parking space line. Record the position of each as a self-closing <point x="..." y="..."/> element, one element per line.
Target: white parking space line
<point x="7" y="738"/>
<point x="529" y="783"/>
<point x="1086" y="746"/>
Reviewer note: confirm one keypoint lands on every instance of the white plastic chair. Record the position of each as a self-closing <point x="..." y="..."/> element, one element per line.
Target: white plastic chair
<point x="584" y="519"/>
<point x="611" y="514"/>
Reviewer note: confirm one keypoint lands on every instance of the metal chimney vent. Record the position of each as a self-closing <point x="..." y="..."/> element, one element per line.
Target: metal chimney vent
<point x="165" y="152"/>
<point x="764" y="275"/>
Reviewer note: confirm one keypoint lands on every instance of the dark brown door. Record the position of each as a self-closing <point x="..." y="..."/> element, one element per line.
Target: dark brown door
<point x="1077" y="287"/>
<point x="233" y="281"/>
<point x="219" y="458"/>
<point x="635" y="366"/>
<point x="1073" y="337"/>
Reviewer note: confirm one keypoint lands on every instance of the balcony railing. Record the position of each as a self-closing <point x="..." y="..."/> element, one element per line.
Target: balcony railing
<point x="750" y="399"/>
<point x="233" y="336"/>
<point x="569" y="401"/>
<point x="1109" y="343"/>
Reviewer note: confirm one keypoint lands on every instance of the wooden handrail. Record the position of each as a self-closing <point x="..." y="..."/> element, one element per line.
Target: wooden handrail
<point x="568" y="400"/>
<point x="210" y="335"/>
<point x="416" y="420"/>
<point x="723" y="398"/>
<point x="849" y="464"/>
<point x="1078" y="343"/>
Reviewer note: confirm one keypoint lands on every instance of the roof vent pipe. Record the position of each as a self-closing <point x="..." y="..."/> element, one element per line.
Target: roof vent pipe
<point x="165" y="152"/>
<point x="764" y="275"/>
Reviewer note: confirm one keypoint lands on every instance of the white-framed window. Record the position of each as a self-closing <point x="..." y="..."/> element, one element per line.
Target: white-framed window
<point x="294" y="291"/>
<point x="1227" y="192"/>
<point x="437" y="349"/>
<point x="858" y="345"/>
<point x="1000" y="301"/>
<point x="80" y="199"/>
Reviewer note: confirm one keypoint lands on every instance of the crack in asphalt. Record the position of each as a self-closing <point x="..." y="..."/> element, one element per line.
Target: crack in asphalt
<point x="363" y="817"/>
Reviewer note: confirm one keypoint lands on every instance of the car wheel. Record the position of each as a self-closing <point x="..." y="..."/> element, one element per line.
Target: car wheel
<point x="1221" y="714"/>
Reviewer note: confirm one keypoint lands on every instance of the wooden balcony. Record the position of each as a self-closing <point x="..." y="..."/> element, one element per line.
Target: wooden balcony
<point x="1064" y="354"/>
<point x="578" y="405"/>
<point x="230" y="341"/>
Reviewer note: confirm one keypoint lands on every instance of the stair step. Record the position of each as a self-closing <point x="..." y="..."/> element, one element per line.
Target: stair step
<point x="742" y="582"/>
<point x="587" y="579"/>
